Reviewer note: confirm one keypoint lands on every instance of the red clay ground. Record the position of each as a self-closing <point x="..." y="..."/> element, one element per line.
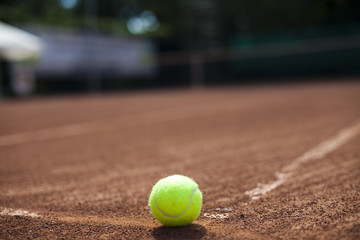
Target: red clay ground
<point x="83" y="167"/>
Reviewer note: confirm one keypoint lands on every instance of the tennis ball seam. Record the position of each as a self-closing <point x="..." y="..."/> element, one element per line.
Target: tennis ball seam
<point x="187" y="208"/>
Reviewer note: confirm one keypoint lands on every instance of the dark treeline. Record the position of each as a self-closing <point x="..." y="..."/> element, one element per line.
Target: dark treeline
<point x="186" y="24"/>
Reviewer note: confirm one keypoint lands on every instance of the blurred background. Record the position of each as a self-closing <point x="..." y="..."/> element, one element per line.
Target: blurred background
<point x="92" y="46"/>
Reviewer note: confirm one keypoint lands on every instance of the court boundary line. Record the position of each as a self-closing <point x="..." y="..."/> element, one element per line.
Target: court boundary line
<point x="101" y="125"/>
<point x="318" y="152"/>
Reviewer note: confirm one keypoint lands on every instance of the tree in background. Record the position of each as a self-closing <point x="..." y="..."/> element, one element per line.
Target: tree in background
<point x="185" y="24"/>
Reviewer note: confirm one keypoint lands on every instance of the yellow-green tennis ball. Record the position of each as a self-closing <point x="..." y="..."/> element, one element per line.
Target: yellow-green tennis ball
<point x="175" y="201"/>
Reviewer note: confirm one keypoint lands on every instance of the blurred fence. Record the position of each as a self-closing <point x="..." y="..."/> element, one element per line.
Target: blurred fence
<point x="98" y="62"/>
<point x="321" y="52"/>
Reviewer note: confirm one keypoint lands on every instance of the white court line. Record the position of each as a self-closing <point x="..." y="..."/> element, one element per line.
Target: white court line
<point x="18" y="212"/>
<point x="317" y="152"/>
<point x="51" y="133"/>
<point x="77" y="129"/>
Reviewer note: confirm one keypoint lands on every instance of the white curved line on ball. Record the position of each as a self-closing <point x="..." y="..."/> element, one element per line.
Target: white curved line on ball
<point x="167" y="215"/>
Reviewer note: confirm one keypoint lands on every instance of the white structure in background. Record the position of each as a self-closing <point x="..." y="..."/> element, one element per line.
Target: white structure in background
<point x="72" y="54"/>
<point x="19" y="50"/>
<point x="53" y="54"/>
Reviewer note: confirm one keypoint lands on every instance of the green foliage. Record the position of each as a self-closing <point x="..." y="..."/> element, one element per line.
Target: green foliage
<point x="194" y="22"/>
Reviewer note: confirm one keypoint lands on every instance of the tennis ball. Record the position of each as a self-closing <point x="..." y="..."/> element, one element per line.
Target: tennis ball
<point x="175" y="201"/>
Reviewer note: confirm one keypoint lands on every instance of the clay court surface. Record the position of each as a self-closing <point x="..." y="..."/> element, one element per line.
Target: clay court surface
<point x="273" y="162"/>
